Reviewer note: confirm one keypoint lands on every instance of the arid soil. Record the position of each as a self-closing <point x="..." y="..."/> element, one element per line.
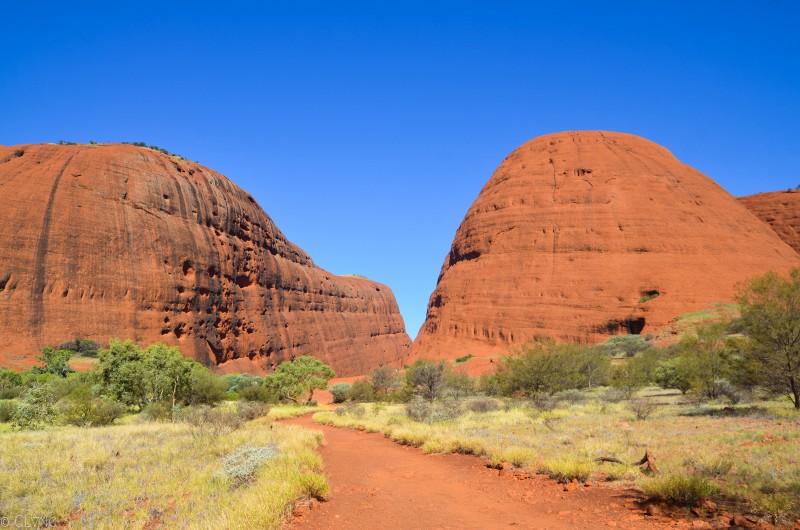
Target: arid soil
<point x="582" y="235"/>
<point x="104" y="241"/>
<point x="376" y="483"/>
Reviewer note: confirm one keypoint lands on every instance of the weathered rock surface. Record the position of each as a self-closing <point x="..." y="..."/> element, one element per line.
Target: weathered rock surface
<point x="108" y="241"/>
<point x="582" y="235"/>
<point x="779" y="209"/>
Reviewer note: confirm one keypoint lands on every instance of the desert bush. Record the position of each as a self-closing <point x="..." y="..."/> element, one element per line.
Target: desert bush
<point x="83" y="347"/>
<point x="251" y="410"/>
<point x="624" y="345"/>
<point x="713" y="467"/>
<point x="458" y="385"/>
<point x="612" y="395"/>
<point x="315" y="486"/>
<point x="259" y="392"/>
<point x="361" y="391"/>
<point x="384" y="380"/>
<point x="208" y="420"/>
<point x="543" y="402"/>
<point x="681" y="490"/>
<point x="241" y="465"/>
<point x="11" y="385"/>
<point x="83" y="409"/>
<point x="427" y="378"/>
<point x="6" y="410"/>
<point x="35" y="408"/>
<point x="159" y="411"/>
<point x="482" y="405"/>
<point x="464" y="358"/>
<point x="642" y="408"/>
<point x="206" y="388"/>
<point x="339" y="391"/>
<point x="418" y="410"/>
<point x="572" y="396"/>
<point x="445" y="411"/>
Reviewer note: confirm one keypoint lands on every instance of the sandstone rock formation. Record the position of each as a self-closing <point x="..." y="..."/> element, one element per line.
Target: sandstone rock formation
<point x="582" y="235"/>
<point x="105" y="241"/>
<point x="779" y="209"/>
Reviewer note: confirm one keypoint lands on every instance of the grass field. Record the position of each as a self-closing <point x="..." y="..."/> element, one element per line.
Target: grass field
<point x="746" y="456"/>
<point x="138" y="474"/>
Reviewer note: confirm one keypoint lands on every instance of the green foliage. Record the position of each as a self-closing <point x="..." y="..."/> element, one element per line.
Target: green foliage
<point x="339" y="391"/>
<point x="426" y="378"/>
<point x="35" y="408"/>
<point x="361" y="391"/>
<point x="629" y="377"/>
<point x="464" y="359"/>
<point x="544" y="368"/>
<point x="10" y="384"/>
<point x="384" y="380"/>
<point x="83" y="347"/>
<point x="624" y="345"/>
<point x="83" y="409"/>
<point x="303" y="375"/>
<point x="206" y="388"/>
<point x="770" y="306"/>
<point x="6" y="410"/>
<point x="55" y="361"/>
<point x="159" y="373"/>
<point x="673" y="373"/>
<point x="458" y="385"/>
<point x="706" y="359"/>
<point x="260" y="392"/>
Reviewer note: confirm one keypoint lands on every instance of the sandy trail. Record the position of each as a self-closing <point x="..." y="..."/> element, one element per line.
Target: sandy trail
<point x="378" y="484"/>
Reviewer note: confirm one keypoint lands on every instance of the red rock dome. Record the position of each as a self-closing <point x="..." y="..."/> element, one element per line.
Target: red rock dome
<point x="105" y="241"/>
<point x="583" y="235"/>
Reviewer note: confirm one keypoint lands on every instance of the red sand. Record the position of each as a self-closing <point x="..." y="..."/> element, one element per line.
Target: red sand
<point x="376" y="483"/>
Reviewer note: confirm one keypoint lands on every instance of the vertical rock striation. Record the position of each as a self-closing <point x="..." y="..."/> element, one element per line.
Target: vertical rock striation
<point x="108" y="241"/>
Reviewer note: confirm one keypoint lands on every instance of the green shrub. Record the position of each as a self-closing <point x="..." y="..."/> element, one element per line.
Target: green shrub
<point x="82" y="409"/>
<point x="158" y="411"/>
<point x="681" y="490"/>
<point x="483" y="405"/>
<point x="339" y="391"/>
<point x="208" y="420"/>
<point x="259" y="392"/>
<point x="567" y="469"/>
<point x="6" y="410"/>
<point x="35" y="408"/>
<point x="206" y="388"/>
<point x="464" y="359"/>
<point x="251" y="410"/>
<point x="361" y="391"/>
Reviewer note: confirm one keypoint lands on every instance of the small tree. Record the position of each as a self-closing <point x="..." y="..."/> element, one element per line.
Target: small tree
<point x="458" y="384"/>
<point x="770" y="306"/>
<point x="706" y="360"/>
<point x="384" y="380"/>
<point x="542" y="368"/>
<point x="303" y="375"/>
<point x="55" y="361"/>
<point x="426" y="378"/>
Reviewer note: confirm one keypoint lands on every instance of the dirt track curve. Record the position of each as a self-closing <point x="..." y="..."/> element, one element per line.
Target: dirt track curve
<point x="377" y="484"/>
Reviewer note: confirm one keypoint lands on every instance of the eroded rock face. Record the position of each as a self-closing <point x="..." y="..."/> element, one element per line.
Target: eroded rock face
<point x="121" y="241"/>
<point x="779" y="209"/>
<point x="582" y="235"/>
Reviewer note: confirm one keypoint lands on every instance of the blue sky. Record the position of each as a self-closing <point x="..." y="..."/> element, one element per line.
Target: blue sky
<point x="366" y="130"/>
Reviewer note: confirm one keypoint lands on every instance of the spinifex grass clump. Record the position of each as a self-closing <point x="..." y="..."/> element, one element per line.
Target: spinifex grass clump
<point x="242" y="464"/>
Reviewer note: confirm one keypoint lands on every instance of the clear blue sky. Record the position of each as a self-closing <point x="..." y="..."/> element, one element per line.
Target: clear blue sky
<point x="366" y="130"/>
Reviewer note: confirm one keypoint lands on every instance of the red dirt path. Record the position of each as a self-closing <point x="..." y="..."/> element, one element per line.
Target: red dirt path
<point x="378" y="484"/>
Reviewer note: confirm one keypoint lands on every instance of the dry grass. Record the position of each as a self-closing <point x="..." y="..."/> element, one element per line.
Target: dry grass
<point x="138" y="473"/>
<point x="284" y="412"/>
<point x="750" y="453"/>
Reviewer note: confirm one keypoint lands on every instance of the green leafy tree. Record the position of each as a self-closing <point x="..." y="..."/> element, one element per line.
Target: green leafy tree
<point x="301" y="376"/>
<point x="541" y="368"/>
<point x="458" y="384"/>
<point x="629" y="377"/>
<point x="55" y="361"/>
<point x="673" y="373"/>
<point x="426" y="378"/>
<point x="770" y="306"/>
<point x="707" y="360"/>
<point x="10" y="383"/>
